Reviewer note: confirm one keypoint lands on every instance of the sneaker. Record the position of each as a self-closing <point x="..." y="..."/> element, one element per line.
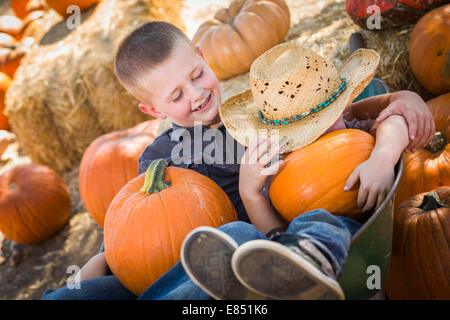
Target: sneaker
<point x="206" y="257"/>
<point x="288" y="272"/>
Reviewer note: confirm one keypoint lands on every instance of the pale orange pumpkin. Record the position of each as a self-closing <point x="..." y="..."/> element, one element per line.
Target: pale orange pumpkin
<point x="109" y="163"/>
<point x="238" y="35"/>
<point x="34" y="203"/>
<point x="314" y="176"/>
<point x="151" y="215"/>
<point x="60" y="6"/>
<point x="429" y="50"/>
<point x="429" y="168"/>
<point x="5" y="82"/>
<point x="420" y="260"/>
<point x="11" y="25"/>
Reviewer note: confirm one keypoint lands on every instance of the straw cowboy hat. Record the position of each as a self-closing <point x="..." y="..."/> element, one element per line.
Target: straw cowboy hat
<point x="295" y="93"/>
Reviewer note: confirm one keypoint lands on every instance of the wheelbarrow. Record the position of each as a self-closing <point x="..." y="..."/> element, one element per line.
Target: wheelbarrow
<point x="370" y="250"/>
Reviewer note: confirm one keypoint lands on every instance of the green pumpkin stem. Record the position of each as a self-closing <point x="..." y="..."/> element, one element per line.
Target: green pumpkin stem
<point x="431" y="201"/>
<point x="154" y="177"/>
<point x="438" y="142"/>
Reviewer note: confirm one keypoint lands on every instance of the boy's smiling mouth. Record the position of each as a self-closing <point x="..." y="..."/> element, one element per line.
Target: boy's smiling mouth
<point x="205" y="104"/>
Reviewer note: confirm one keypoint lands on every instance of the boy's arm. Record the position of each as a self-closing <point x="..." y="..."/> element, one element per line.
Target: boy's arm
<point x="406" y="103"/>
<point x="252" y="177"/>
<point x="376" y="175"/>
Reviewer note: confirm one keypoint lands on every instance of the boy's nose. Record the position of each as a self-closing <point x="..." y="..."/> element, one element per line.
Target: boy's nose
<point x="197" y="95"/>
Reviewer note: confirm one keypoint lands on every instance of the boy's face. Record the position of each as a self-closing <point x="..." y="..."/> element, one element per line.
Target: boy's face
<point x="183" y="89"/>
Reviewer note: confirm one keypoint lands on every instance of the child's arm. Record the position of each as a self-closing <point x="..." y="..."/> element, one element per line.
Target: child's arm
<point x="405" y="103"/>
<point x="95" y="267"/>
<point x="252" y="178"/>
<point x="377" y="173"/>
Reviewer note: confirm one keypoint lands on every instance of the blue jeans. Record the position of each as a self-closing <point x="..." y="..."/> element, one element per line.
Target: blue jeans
<point x="330" y="233"/>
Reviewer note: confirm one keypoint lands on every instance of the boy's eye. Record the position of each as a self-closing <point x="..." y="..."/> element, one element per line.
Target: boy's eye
<point x="199" y="75"/>
<point x="178" y="97"/>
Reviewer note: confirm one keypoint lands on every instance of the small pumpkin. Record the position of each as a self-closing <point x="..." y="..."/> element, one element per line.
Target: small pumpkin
<point x="60" y="6"/>
<point x="394" y="13"/>
<point x="428" y="168"/>
<point x="151" y="215"/>
<point x="314" y="176"/>
<point x="5" y="82"/>
<point x="33" y="24"/>
<point x="11" y="25"/>
<point x="19" y="7"/>
<point x="429" y="50"/>
<point x="420" y="260"/>
<point x="6" y="40"/>
<point x="11" y="56"/>
<point x="34" y="203"/>
<point x="109" y="163"/>
<point x="238" y="35"/>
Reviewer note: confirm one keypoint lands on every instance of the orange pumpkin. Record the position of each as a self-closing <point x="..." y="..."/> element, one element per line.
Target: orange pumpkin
<point x="314" y="176"/>
<point x="11" y="56"/>
<point x="32" y="24"/>
<point x="34" y="203"/>
<point x="109" y="163"/>
<point x="60" y="6"/>
<point x="11" y="25"/>
<point x="5" y="81"/>
<point x="19" y="7"/>
<point x="420" y="260"/>
<point x="429" y="50"/>
<point x="151" y="215"/>
<point x="238" y="35"/>
<point x="429" y="168"/>
<point x="7" y="40"/>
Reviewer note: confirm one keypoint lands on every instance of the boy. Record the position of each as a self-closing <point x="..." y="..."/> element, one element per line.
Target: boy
<point x="159" y="66"/>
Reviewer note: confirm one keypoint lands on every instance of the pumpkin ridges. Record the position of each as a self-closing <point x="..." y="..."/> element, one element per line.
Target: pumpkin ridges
<point x="165" y="215"/>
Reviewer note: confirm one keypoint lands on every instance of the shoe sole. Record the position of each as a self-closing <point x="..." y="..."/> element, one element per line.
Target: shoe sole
<point x="206" y="257"/>
<point x="270" y="269"/>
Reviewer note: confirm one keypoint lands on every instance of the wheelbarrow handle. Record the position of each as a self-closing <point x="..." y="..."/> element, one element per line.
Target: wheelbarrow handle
<point x="356" y="42"/>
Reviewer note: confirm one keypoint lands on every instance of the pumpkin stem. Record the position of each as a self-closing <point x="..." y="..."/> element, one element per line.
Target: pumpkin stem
<point x="431" y="201"/>
<point x="154" y="177"/>
<point x="438" y="143"/>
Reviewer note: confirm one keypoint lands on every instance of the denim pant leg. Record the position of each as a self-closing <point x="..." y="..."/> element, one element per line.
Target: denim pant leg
<point x="175" y="284"/>
<point x="331" y="234"/>
<point x="101" y="288"/>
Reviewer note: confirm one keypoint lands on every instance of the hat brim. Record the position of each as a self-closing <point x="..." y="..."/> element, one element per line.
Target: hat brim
<point x="240" y="115"/>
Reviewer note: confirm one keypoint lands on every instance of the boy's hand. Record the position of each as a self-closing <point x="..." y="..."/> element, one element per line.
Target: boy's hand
<point x="420" y="121"/>
<point x="253" y="173"/>
<point x="376" y="181"/>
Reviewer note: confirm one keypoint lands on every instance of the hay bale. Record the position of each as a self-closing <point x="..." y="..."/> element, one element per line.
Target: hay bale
<point x="65" y="93"/>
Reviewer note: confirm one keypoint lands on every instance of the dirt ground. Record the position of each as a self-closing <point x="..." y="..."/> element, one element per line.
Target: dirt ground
<point x="27" y="271"/>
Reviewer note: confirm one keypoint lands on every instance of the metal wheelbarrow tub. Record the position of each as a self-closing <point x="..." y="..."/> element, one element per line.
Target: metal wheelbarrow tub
<point x="368" y="260"/>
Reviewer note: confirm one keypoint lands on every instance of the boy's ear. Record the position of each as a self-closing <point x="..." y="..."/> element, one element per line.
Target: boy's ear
<point x="200" y="52"/>
<point x="151" y="111"/>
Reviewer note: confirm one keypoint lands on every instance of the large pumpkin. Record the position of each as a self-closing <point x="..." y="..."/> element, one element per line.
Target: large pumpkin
<point x="314" y="176"/>
<point x="429" y="50"/>
<point x="60" y="6"/>
<point x="238" y="35"/>
<point x="429" y="168"/>
<point x="34" y="203"/>
<point x="420" y="260"/>
<point x="151" y="215"/>
<point x="11" y="25"/>
<point x="109" y="163"/>
<point x="5" y="81"/>
<point x="394" y="13"/>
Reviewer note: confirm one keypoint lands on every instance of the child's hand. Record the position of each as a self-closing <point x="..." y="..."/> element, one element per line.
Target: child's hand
<point x="420" y="121"/>
<point x="95" y="267"/>
<point x="253" y="173"/>
<point x="375" y="183"/>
